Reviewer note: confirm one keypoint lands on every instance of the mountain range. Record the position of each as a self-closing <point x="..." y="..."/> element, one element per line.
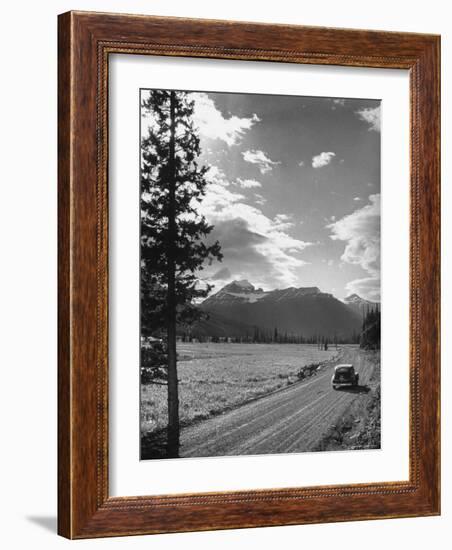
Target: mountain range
<point x="238" y="308"/>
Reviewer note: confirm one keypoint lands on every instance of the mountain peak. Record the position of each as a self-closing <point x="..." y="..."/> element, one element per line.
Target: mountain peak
<point x="243" y="283"/>
<point x="358" y="304"/>
<point x="239" y="286"/>
<point x="354" y="298"/>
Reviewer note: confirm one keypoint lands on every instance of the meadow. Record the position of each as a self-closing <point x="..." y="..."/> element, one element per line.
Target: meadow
<point x="217" y="377"/>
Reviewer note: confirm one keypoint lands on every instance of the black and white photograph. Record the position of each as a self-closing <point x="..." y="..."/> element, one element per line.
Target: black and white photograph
<point x="259" y="274"/>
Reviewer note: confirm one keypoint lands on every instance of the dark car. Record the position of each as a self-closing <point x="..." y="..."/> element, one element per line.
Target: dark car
<point x="344" y="376"/>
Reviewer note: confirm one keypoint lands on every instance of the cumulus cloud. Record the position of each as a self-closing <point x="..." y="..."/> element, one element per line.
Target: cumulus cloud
<point x="322" y="159"/>
<point x="361" y="233"/>
<point x="248" y="184"/>
<point x="266" y="258"/>
<point x="372" y="116"/>
<point x="216" y="175"/>
<point x="256" y="156"/>
<point x="254" y="246"/>
<point x="301" y="163"/>
<point x="212" y="124"/>
<point x="218" y="198"/>
<point x="339" y="101"/>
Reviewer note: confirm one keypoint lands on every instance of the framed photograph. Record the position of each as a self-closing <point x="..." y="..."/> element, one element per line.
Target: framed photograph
<point x="248" y="275"/>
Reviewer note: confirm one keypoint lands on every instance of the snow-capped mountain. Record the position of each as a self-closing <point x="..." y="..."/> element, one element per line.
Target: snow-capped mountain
<point x="358" y="304"/>
<point x="304" y="310"/>
<point x="244" y="292"/>
<point x="237" y="291"/>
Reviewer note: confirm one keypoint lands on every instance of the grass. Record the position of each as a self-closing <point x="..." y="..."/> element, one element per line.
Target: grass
<point x="214" y="378"/>
<point x="359" y="427"/>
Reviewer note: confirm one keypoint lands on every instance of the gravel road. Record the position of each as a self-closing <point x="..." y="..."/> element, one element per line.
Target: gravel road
<point x="290" y="420"/>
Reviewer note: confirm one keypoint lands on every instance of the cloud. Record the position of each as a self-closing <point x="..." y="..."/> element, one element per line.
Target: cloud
<point x="322" y="159"/>
<point x="217" y="199"/>
<point x="266" y="258"/>
<point x="301" y="163"/>
<point x="221" y="274"/>
<point x="256" y="156"/>
<point x="259" y="199"/>
<point x="357" y="198"/>
<point x="248" y="184"/>
<point x="282" y="217"/>
<point x="212" y="124"/>
<point x="216" y="175"/>
<point x="372" y="116"/>
<point x="339" y="101"/>
<point x="368" y="288"/>
<point x="254" y="246"/>
<point x="283" y="221"/>
<point x="361" y="233"/>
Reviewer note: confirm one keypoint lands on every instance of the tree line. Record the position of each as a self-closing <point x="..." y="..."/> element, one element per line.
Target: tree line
<point x="275" y="336"/>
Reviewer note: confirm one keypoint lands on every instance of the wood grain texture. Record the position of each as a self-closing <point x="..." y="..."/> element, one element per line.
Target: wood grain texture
<point x="85" y="42"/>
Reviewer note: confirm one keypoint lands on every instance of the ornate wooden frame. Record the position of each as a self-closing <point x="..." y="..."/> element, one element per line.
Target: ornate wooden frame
<point x="85" y="42"/>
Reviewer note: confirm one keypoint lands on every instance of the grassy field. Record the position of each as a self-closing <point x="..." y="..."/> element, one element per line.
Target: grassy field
<point x="217" y="377"/>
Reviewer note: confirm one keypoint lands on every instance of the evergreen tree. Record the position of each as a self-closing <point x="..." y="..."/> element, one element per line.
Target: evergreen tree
<point x="173" y="234"/>
<point x="371" y="331"/>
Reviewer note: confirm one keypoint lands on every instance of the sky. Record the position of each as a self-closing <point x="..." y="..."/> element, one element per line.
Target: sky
<point x="294" y="190"/>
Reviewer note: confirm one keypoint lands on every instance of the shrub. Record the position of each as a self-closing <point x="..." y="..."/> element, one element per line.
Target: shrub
<point x="154" y="361"/>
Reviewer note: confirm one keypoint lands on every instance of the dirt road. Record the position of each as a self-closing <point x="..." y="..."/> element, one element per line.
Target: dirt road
<point x="290" y="420"/>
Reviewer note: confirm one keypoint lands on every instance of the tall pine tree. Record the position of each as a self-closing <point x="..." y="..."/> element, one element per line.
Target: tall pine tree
<point x="173" y="233"/>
